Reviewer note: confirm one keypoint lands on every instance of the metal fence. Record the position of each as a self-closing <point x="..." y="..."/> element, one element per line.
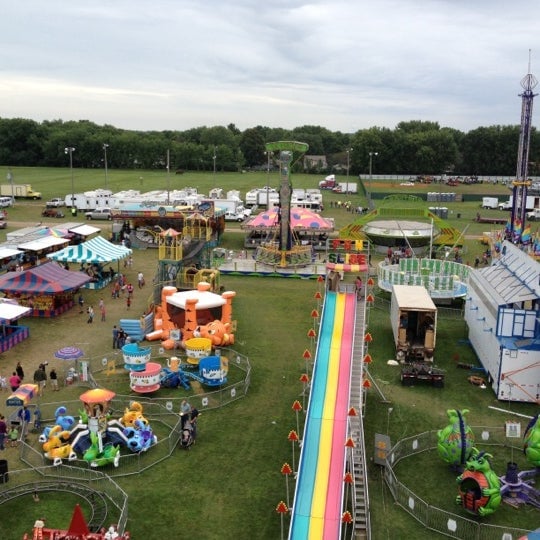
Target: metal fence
<point x="90" y="484"/>
<point x="161" y="413"/>
<point x="436" y="519"/>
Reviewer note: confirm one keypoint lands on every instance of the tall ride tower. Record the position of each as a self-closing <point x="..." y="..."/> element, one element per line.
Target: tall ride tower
<point x="521" y="183"/>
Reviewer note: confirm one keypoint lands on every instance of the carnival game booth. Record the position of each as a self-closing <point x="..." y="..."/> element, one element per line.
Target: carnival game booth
<point x="82" y="232"/>
<point x="93" y="256"/>
<point x="37" y="250"/>
<point x="48" y="289"/>
<point x="12" y="333"/>
<point x="9" y="258"/>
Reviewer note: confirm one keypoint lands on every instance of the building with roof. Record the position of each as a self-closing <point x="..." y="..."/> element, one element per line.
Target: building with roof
<point x="502" y="314"/>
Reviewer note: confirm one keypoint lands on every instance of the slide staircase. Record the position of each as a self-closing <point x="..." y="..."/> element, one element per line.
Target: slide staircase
<point x="357" y="396"/>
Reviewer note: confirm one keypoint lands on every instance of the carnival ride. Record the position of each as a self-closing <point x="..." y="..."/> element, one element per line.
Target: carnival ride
<point x="78" y="530"/>
<point x="97" y="437"/>
<point x="318" y="499"/>
<point x="480" y="489"/>
<point x="456" y="440"/>
<point x="282" y="251"/>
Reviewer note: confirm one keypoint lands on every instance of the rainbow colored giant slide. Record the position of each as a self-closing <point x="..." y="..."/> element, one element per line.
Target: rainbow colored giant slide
<point x="318" y="505"/>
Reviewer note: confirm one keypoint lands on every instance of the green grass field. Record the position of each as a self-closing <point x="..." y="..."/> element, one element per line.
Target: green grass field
<point x="228" y="485"/>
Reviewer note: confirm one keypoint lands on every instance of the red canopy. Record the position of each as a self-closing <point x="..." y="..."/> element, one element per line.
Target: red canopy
<point x="301" y="219"/>
<point x="48" y="278"/>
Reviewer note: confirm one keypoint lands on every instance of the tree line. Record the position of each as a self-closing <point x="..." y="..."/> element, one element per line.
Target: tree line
<point x="413" y="147"/>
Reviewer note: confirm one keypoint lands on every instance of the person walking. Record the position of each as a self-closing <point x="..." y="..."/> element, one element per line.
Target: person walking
<point x="81" y="303"/>
<point x="185" y="411"/>
<point x="358" y="287"/>
<point x="13" y="436"/>
<point x="193" y="415"/>
<point x="25" y="417"/>
<point x="14" y="381"/>
<point x="40" y="378"/>
<point x="115" y="335"/>
<point x="102" y="311"/>
<point x="90" y="315"/>
<point x="140" y="280"/>
<point x="20" y="371"/>
<point x="3" y="432"/>
<point x="54" y="380"/>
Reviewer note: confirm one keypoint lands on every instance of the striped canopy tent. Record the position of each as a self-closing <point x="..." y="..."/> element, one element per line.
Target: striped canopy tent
<point x="45" y="279"/>
<point x="95" y="251"/>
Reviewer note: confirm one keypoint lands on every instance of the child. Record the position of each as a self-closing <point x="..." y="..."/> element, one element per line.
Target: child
<point x="54" y="380"/>
<point x="13" y="435"/>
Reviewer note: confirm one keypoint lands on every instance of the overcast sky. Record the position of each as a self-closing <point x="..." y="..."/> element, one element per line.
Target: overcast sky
<point x="342" y="64"/>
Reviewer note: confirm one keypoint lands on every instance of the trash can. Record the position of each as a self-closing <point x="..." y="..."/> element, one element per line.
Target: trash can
<point x="4" y="477"/>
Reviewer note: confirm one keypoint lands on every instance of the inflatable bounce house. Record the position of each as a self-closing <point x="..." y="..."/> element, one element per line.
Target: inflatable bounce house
<point x="198" y="313"/>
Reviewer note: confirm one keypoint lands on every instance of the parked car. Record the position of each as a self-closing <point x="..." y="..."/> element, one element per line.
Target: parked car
<point x="5" y="202"/>
<point x="99" y="213"/>
<point x="52" y="212"/>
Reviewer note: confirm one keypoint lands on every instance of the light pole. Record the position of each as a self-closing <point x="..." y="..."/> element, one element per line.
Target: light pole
<point x="269" y="155"/>
<point x="349" y="150"/>
<point x="69" y="150"/>
<point x="105" y="146"/>
<point x="371" y="154"/>
<point x="214" y="158"/>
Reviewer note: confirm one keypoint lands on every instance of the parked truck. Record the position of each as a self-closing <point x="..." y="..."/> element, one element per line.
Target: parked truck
<point x="414" y="323"/>
<point x="346" y="187"/>
<point x="234" y="209"/>
<point x="533" y="201"/>
<point x="534" y="215"/>
<point x="329" y="182"/>
<point x="19" y="191"/>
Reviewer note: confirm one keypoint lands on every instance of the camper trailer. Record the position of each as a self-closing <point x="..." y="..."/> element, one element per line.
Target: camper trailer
<point x="414" y="323"/>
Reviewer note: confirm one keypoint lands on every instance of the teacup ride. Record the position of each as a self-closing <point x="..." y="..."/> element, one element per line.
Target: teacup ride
<point x="135" y="357"/>
<point x="147" y="381"/>
<point x="213" y="370"/>
<point x="197" y="348"/>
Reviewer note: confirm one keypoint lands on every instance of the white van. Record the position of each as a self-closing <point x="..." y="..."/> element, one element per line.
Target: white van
<point x="5" y="202"/>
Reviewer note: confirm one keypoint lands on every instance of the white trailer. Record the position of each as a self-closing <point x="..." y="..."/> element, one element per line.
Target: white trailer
<point x="268" y="199"/>
<point x="346" y="187"/>
<point x="490" y="202"/>
<point x="89" y="200"/>
<point x="414" y="322"/>
<point x="253" y="197"/>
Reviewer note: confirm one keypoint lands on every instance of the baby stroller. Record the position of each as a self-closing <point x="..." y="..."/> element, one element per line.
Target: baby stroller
<point x="187" y="438"/>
